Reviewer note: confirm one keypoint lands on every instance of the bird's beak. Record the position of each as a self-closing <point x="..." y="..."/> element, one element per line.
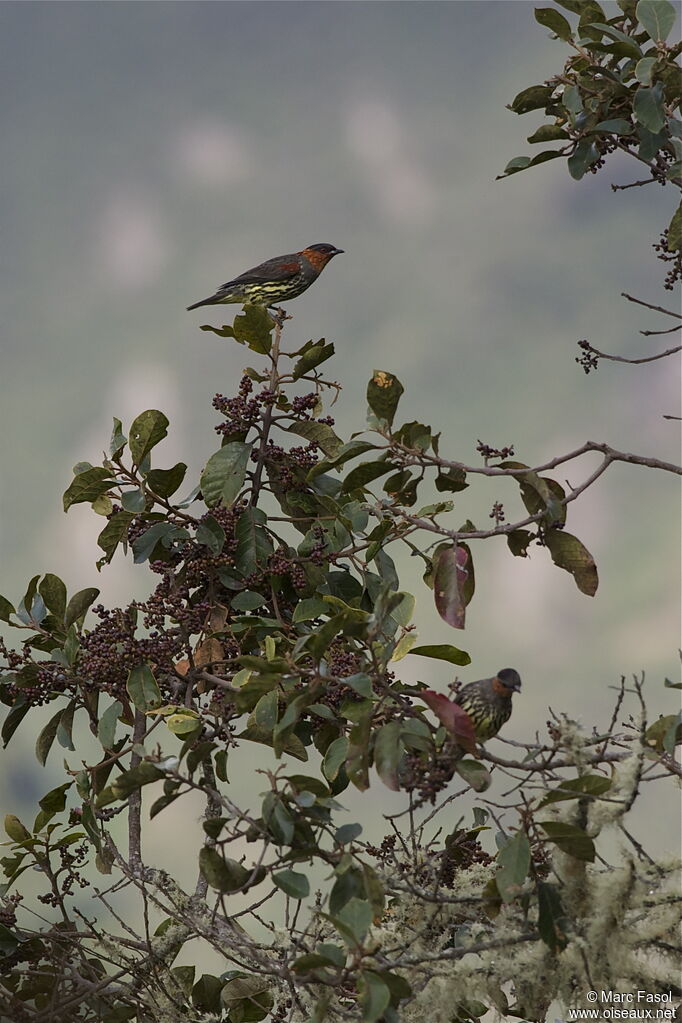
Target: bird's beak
<point x="516" y="688"/>
<point x="337" y="252"/>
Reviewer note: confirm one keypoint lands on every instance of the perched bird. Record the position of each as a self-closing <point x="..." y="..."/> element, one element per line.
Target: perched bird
<point x="276" y="280"/>
<point x="488" y="702"/>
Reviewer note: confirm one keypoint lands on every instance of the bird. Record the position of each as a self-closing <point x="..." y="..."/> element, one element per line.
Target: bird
<point x="276" y="280"/>
<point x="488" y="702"/>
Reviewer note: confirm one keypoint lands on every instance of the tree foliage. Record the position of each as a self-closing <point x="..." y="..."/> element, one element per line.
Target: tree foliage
<point x="278" y="624"/>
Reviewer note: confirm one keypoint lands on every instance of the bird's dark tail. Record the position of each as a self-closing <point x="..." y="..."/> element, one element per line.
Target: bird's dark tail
<point x="205" y="301"/>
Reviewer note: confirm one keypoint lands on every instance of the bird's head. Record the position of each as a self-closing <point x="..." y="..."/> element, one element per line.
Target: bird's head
<point x="320" y="254"/>
<point x="507" y="681"/>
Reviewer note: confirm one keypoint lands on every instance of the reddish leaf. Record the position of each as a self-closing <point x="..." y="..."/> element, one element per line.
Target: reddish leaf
<point x="450" y="573"/>
<point x="453" y="718"/>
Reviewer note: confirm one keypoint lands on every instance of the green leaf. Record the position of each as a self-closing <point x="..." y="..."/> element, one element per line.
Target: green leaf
<point x="570" y="839"/>
<point x="312" y="355"/>
<point x="648" y="107"/>
<point x="54" y="801"/>
<point x="79" y="604"/>
<point x="223" y="476"/>
<point x="570" y="554"/>
<point x="555" y="22"/>
<point x="582" y="158"/>
<point x="293" y="884"/>
<point x="617" y="126"/>
<point x="115" y="531"/>
<point x="548" y="133"/>
<point x="644" y="69"/>
<point x="265" y="711"/>
<point x="320" y="434"/>
<point x="347" y="833"/>
<point x="374" y="996"/>
<point x="65" y="726"/>
<point x="451" y="481"/>
<point x="130" y="781"/>
<point x="518" y="541"/>
<point x="309" y="608"/>
<point x="211" y="534"/>
<point x="248" y="600"/>
<point x="572" y="788"/>
<point x="106" y="729"/>
<point x="387" y="753"/>
<point x="518" y="163"/>
<point x="165" y="482"/>
<point x="552" y="921"/>
<point x="15" y="829"/>
<point x="657" y="733"/>
<point x="87" y="486"/>
<point x="383" y="394"/>
<point x="532" y="98"/>
<point x="335" y="757"/>
<point x="450" y="572"/>
<point x="656" y="17"/>
<point x="628" y="45"/>
<point x="142" y="688"/>
<point x="254" y="546"/>
<point x="46" y="738"/>
<point x="6" y="609"/>
<point x="206" y="994"/>
<point x="53" y="592"/>
<point x="474" y="774"/>
<point x="252" y="327"/>
<point x="278" y="820"/>
<point x="673" y="736"/>
<point x="133" y="501"/>
<point x="675" y="231"/>
<point x="118" y="439"/>
<point x="365" y="473"/>
<point x="247" y="999"/>
<point x="160" y="532"/>
<point x="356" y="916"/>
<point x="146" y="431"/>
<point x="16" y="715"/>
<point x="513" y="863"/>
<point x="443" y="652"/>
<point x="185" y="722"/>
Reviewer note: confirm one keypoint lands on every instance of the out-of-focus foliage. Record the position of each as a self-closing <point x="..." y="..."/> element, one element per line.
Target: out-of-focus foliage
<point x="619" y="90"/>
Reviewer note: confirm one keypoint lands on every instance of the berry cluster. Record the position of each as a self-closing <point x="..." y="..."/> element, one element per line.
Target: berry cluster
<point x="241" y="413"/>
<point x="8" y="909"/>
<point x="68" y="873"/>
<point x="589" y="359"/>
<point x="304" y="404"/>
<point x="541" y="859"/>
<point x="284" y="562"/>
<point x="674" y="273"/>
<point x="497" y="512"/>
<point x="343" y="661"/>
<point x="490" y="452"/>
<point x="111" y="650"/>
<point x="386" y="851"/>
<point x="461" y="852"/>
<point x="425" y="776"/>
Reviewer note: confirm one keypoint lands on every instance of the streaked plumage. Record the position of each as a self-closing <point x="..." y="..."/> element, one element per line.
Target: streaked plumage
<point x="488" y="702"/>
<point x="276" y="280"/>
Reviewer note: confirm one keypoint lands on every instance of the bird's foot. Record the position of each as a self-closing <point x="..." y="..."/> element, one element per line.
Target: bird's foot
<point x="279" y="315"/>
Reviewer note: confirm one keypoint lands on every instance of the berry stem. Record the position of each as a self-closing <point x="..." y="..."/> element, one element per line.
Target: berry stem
<point x="266" y="420"/>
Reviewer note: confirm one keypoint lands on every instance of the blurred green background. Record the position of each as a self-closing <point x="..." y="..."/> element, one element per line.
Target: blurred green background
<point x="153" y="150"/>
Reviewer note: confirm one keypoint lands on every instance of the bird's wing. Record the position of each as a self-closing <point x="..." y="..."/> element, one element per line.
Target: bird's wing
<point x="281" y="268"/>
